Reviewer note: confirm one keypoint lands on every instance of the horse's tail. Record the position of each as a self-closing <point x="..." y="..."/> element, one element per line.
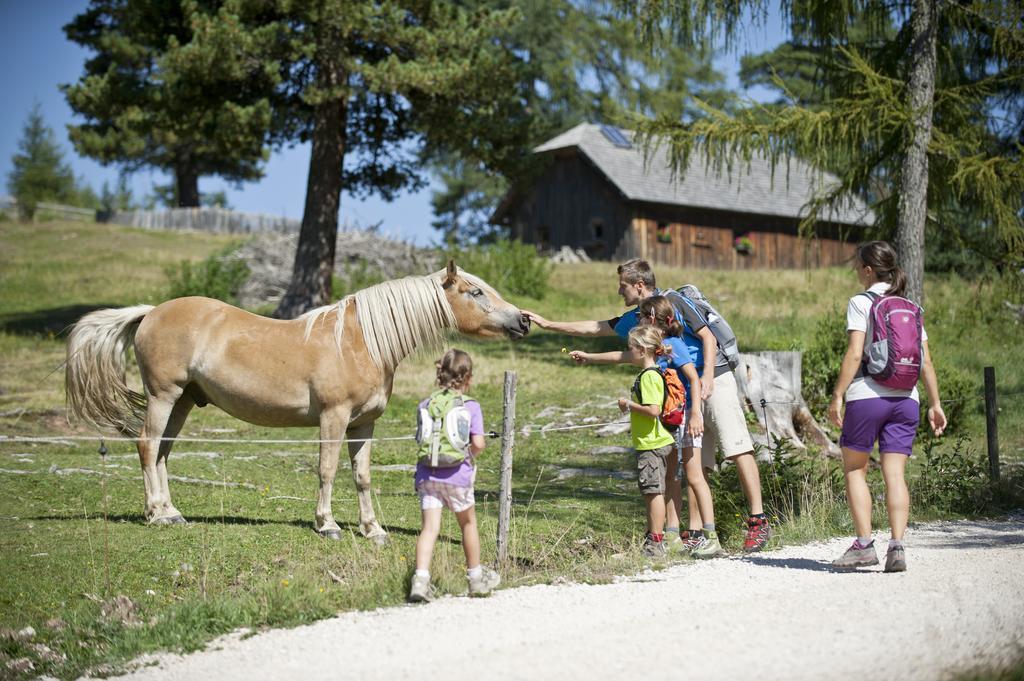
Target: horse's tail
<point x="95" y="370"/>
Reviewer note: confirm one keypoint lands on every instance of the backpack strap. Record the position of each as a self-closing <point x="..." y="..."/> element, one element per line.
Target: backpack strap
<point x="677" y="300"/>
<point x="873" y="297"/>
<point x="664" y="386"/>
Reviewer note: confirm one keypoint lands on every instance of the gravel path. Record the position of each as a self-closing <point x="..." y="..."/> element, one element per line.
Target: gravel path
<point x="778" y="615"/>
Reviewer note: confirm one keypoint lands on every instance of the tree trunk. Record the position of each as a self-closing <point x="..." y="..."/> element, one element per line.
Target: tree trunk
<point x="314" y="260"/>
<point x="187" y="183"/>
<point x="913" y="200"/>
<point x="775" y="377"/>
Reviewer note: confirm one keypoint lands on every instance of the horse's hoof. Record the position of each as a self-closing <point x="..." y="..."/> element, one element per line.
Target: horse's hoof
<point x="177" y="520"/>
<point x="331" y="534"/>
<point x="380" y="539"/>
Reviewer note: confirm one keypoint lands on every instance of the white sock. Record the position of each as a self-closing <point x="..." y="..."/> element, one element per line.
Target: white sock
<point x="423" y="573"/>
<point x="475" y="573"/>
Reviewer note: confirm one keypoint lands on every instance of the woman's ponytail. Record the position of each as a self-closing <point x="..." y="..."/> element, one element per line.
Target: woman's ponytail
<point x="881" y="258"/>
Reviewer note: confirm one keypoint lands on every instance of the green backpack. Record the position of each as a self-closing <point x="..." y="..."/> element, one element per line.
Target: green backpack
<point x="442" y="430"/>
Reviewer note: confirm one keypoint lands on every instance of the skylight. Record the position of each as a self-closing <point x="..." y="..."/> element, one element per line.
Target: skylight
<point x="616" y="137"/>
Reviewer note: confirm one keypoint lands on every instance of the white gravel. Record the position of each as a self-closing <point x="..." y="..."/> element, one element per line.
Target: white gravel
<point x="778" y="615"/>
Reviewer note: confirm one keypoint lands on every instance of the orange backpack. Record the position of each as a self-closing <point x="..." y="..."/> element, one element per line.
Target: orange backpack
<point x="673" y="404"/>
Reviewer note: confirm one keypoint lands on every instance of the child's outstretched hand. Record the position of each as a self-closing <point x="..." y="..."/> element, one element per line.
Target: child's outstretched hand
<point x="623" y="405"/>
<point x="579" y="356"/>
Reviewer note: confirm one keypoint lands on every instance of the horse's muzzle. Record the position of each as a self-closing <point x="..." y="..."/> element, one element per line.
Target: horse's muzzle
<point x="517" y="331"/>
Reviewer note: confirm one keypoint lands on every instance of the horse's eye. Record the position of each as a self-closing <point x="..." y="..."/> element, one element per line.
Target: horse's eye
<point x="476" y="292"/>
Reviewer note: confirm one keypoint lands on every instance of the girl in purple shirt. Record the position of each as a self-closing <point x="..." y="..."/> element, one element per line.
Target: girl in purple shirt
<point x="452" y="487"/>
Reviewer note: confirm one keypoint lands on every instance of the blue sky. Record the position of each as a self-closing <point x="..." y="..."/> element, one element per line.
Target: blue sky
<point x="37" y="59"/>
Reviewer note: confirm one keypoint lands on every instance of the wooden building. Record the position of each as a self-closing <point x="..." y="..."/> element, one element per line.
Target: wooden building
<point x="596" y="193"/>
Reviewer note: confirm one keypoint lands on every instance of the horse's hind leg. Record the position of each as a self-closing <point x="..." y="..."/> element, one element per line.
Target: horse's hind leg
<point x="168" y="513"/>
<point x="158" y="413"/>
<point x="359" y="453"/>
<point x="332" y="428"/>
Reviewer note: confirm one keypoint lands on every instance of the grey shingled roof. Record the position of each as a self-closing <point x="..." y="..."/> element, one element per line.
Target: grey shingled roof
<point x="747" y="189"/>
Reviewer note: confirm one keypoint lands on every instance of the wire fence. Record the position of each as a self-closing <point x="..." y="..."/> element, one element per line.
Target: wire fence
<point x="400" y="438"/>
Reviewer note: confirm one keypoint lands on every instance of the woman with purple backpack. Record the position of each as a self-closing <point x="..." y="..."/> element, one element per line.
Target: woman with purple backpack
<point x="886" y="354"/>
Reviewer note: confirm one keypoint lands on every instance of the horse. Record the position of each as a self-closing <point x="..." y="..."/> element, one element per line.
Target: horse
<point x="332" y="367"/>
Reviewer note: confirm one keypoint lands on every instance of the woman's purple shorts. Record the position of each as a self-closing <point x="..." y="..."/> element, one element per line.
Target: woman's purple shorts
<point x="890" y="420"/>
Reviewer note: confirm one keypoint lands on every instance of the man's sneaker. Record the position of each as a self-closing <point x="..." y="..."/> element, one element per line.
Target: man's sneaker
<point x="857" y="556"/>
<point x="758" y="534"/>
<point x="421" y="590"/>
<point x="710" y="548"/>
<point x="895" y="559"/>
<point x="692" y="542"/>
<point x="653" y="549"/>
<point x="485" y="583"/>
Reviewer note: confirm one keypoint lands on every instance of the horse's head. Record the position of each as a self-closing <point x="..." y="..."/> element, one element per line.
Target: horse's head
<point x="478" y="308"/>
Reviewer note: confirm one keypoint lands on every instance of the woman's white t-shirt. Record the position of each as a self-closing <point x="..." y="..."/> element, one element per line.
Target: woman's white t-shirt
<point x="865" y="387"/>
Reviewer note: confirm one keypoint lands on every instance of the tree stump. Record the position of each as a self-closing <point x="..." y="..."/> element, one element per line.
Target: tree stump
<point x="775" y="378"/>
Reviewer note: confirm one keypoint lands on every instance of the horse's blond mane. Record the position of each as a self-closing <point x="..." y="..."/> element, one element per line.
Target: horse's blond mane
<point x="397" y="317"/>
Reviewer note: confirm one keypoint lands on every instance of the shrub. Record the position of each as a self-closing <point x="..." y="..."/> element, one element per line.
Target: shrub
<point x="950" y="480"/>
<point x="511" y="267"/>
<point x="357" y="276"/>
<point x="220" y="276"/>
<point x="958" y="394"/>
<point x="821" y="362"/>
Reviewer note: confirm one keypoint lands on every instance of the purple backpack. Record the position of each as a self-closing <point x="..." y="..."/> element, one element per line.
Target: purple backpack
<point x="893" y="343"/>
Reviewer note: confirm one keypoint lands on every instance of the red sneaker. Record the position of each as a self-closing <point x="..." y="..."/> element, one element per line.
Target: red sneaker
<point x="758" y="534"/>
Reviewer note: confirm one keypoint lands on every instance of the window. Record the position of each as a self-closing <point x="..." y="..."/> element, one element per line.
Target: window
<point x="664" y="233"/>
<point x="597" y="228"/>
<point x="616" y="136"/>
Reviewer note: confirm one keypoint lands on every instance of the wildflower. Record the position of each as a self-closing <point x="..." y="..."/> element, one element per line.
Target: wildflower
<point x="284" y="582"/>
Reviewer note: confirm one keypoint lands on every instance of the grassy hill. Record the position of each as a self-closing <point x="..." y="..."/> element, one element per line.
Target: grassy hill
<point x="72" y="532"/>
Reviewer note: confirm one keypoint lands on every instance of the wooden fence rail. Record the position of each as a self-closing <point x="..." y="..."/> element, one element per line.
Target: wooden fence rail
<point x="217" y="220"/>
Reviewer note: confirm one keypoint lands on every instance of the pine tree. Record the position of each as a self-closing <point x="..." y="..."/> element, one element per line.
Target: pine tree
<point x="363" y="81"/>
<point x="158" y="93"/>
<point x="888" y="116"/>
<point x="39" y="172"/>
<point x="578" y="62"/>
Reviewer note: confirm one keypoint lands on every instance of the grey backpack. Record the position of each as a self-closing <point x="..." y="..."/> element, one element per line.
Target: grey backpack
<point x="723" y="333"/>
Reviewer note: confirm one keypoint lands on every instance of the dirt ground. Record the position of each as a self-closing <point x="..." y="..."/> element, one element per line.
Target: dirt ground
<point x="779" y="615"/>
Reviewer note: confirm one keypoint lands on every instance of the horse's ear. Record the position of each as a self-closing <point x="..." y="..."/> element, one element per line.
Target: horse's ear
<point x="451" y="274"/>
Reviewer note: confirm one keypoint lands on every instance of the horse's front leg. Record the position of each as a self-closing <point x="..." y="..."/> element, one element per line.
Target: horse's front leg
<point x="359" y="453"/>
<point x="332" y="429"/>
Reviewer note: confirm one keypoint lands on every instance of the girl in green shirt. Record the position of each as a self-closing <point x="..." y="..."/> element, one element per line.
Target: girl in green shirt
<point x="652" y="441"/>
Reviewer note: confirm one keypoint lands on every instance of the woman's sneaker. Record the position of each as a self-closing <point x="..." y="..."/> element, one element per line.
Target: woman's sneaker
<point x="857" y="556"/>
<point x="710" y="547"/>
<point x="421" y="591"/>
<point x="758" y="534"/>
<point x="895" y="559"/>
<point x="485" y="583"/>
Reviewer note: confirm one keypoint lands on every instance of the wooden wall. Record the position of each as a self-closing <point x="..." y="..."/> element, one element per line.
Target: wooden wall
<point x="570" y="196"/>
<point x="702" y="247"/>
<point x="568" y="199"/>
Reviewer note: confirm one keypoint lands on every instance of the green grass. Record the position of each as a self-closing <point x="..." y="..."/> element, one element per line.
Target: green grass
<point x="249" y="557"/>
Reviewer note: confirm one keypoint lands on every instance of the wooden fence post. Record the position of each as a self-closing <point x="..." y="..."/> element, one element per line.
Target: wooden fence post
<point x="990" y="424"/>
<point x="508" y="425"/>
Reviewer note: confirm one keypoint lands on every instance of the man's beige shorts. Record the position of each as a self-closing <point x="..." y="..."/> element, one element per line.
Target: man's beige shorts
<point x="725" y="424"/>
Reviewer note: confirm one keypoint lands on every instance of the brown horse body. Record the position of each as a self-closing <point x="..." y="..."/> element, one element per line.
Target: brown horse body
<point x="305" y="372"/>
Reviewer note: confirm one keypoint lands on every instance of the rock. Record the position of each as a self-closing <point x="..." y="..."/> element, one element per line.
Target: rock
<point x="22" y="665"/>
<point x="617" y="428"/>
<point x="609" y="449"/>
<point x="122" y="609"/>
